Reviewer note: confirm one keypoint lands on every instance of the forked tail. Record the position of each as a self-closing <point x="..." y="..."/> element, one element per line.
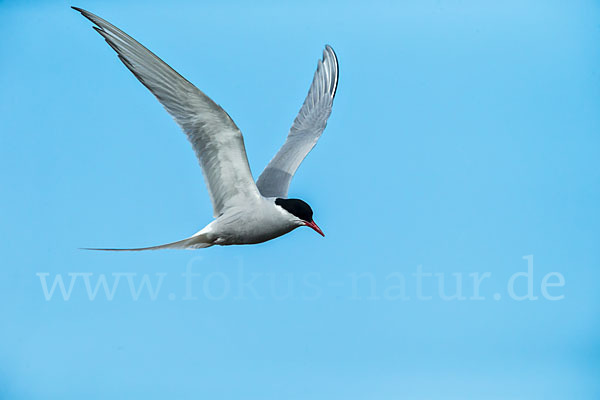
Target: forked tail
<point x="198" y="241"/>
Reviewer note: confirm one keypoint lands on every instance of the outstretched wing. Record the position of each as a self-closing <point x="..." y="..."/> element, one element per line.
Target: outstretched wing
<point x="306" y="130"/>
<point x="216" y="139"/>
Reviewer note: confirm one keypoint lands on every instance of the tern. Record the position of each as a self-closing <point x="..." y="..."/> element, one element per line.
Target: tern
<point x="245" y="212"/>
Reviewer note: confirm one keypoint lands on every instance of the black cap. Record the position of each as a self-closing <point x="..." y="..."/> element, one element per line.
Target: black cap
<point x="296" y="207"/>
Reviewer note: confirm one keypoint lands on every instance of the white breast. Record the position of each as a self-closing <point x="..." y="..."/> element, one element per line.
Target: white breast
<point x="253" y="223"/>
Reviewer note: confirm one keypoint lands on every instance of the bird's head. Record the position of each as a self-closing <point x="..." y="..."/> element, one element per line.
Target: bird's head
<point x="301" y="211"/>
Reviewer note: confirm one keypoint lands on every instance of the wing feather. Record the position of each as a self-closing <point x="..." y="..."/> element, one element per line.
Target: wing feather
<point x="217" y="141"/>
<point x="305" y="131"/>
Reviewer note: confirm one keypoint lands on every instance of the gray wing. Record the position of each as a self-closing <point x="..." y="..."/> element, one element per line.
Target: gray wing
<point x="216" y="139"/>
<point x="306" y="130"/>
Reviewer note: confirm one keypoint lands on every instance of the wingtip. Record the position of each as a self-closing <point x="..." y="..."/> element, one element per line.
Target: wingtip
<point x="329" y="49"/>
<point x="329" y="53"/>
<point x="86" y="14"/>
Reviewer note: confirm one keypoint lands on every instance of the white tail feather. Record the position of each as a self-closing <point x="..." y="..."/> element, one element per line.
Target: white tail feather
<point x="198" y="241"/>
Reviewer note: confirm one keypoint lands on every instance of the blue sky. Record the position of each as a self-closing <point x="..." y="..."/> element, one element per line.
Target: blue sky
<point x="464" y="137"/>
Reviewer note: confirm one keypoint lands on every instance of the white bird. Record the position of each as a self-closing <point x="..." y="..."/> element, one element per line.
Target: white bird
<point x="245" y="212"/>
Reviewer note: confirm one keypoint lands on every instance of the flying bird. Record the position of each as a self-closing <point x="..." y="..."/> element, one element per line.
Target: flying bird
<point x="245" y="212"/>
